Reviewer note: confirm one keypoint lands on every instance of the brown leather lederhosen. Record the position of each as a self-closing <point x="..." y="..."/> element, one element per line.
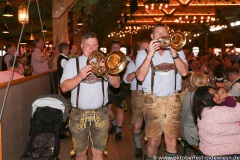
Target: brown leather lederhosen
<point x="162" y="114"/>
<point x="85" y="124"/>
<point x="137" y="105"/>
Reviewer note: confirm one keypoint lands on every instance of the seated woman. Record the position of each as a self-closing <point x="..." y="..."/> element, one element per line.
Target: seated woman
<point x="189" y="128"/>
<point x="218" y="128"/>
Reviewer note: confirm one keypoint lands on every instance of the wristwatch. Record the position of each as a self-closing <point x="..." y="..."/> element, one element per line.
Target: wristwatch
<point x="177" y="56"/>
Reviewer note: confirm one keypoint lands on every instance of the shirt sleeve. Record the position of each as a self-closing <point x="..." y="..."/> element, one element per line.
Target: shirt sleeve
<point x="130" y="69"/>
<point x="141" y="56"/>
<point x="69" y="70"/>
<point x="235" y="91"/>
<point x="182" y="56"/>
<point x="63" y="63"/>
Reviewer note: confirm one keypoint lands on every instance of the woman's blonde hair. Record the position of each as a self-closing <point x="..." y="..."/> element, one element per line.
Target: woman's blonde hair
<point x="198" y="79"/>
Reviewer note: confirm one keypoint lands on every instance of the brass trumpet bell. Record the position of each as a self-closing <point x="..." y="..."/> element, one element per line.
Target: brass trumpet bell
<point x="176" y="40"/>
<point x="114" y="63"/>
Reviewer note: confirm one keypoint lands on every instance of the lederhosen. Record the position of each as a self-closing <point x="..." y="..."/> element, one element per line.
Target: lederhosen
<point x="118" y="96"/>
<point x="162" y="114"/>
<point x="85" y="124"/>
<point x="137" y="104"/>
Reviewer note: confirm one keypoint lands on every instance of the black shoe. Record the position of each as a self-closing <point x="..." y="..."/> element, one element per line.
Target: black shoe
<point x="138" y="153"/>
<point x="64" y="136"/>
<point x="112" y="130"/>
<point x="118" y="136"/>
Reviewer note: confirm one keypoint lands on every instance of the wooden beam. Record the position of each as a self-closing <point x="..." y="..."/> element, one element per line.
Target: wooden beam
<point x="59" y="8"/>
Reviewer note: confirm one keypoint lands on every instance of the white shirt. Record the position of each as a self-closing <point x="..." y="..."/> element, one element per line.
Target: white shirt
<point x="130" y="69"/>
<point x="235" y="91"/>
<point x="63" y="61"/>
<point x="164" y="82"/>
<point x="90" y="95"/>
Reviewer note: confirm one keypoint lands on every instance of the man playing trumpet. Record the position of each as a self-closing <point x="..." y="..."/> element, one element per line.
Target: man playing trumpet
<point x="89" y="117"/>
<point x="162" y="105"/>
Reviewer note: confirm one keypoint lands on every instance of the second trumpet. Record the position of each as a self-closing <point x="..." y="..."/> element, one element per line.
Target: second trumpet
<point x="114" y="63"/>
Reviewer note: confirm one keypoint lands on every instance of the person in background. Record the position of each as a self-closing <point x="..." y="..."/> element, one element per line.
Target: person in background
<point x="162" y="105"/>
<point x="220" y="79"/>
<point x="63" y="58"/>
<point x="234" y="77"/>
<point x="189" y="128"/>
<point x="136" y="101"/>
<point x="218" y="127"/>
<point x="21" y="69"/>
<point x="226" y="100"/>
<point x="194" y="65"/>
<point x="89" y="119"/>
<point x="5" y="75"/>
<point x="117" y="96"/>
<point x="40" y="60"/>
<point x="61" y="63"/>
<point x="73" y="51"/>
<point x="26" y="58"/>
<point x="10" y="52"/>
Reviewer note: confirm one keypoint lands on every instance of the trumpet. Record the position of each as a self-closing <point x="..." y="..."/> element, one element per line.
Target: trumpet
<point x="176" y="40"/>
<point x="114" y="63"/>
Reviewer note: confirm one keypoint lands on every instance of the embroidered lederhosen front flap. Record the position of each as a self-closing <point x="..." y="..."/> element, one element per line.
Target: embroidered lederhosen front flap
<point x="92" y="79"/>
<point x="164" y="67"/>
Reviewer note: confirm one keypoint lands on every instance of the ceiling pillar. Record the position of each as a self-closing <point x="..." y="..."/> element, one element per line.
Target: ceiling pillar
<point x="60" y="20"/>
<point x="77" y="33"/>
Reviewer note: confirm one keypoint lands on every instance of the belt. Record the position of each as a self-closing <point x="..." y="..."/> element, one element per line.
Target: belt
<point x="164" y="67"/>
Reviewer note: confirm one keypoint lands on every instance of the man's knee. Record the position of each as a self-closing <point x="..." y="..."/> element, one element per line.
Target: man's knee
<point x="81" y="155"/>
<point x="170" y="139"/>
<point x="97" y="154"/>
<point x="154" y="142"/>
<point x="120" y="111"/>
<point x="137" y="127"/>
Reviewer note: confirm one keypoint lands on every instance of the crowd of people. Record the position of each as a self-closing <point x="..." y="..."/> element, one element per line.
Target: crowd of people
<point x="174" y="95"/>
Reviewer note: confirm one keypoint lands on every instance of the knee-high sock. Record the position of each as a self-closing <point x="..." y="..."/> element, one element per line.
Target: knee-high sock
<point x="137" y="138"/>
<point x="168" y="154"/>
<point x="150" y="158"/>
<point x="114" y="122"/>
<point x="118" y="129"/>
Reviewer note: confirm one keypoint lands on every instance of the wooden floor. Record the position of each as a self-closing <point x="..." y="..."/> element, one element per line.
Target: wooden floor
<point x="123" y="150"/>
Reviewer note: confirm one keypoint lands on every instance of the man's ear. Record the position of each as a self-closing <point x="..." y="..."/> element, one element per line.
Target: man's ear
<point x="82" y="45"/>
<point x="151" y="35"/>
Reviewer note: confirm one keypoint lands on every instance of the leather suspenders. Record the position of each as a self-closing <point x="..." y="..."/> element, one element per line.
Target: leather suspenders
<point x="78" y="89"/>
<point x="153" y="73"/>
<point x="77" y="65"/>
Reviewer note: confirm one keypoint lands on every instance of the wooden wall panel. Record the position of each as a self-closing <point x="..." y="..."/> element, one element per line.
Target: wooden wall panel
<point x="16" y="115"/>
